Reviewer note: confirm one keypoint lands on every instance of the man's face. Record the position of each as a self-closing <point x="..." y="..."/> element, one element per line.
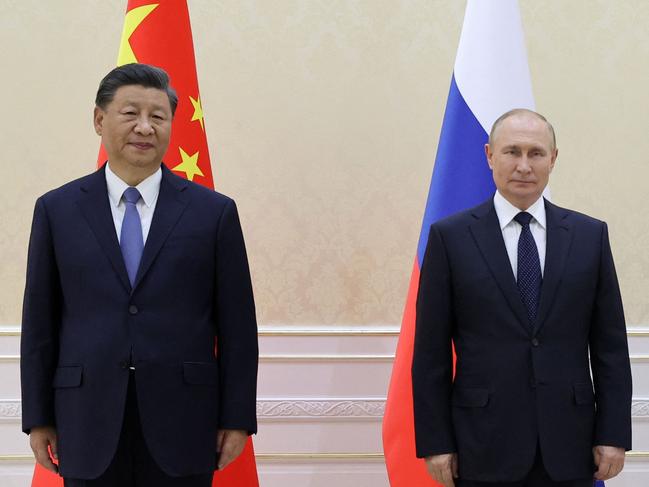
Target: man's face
<point x="521" y="158"/>
<point x="135" y="127"/>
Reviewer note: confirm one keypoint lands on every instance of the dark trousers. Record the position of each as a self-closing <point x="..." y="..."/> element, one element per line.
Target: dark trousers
<point x="537" y="477"/>
<point x="133" y="465"/>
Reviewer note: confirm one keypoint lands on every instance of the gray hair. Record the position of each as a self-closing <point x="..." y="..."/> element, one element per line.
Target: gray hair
<point x="520" y="111"/>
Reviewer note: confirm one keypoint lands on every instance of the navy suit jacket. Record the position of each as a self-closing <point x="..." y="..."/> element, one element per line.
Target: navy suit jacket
<point x="515" y="388"/>
<point x="187" y="325"/>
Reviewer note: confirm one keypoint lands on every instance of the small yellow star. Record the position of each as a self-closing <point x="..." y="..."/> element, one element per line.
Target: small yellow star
<point x="133" y="19"/>
<point x="189" y="165"/>
<point x="198" y="111"/>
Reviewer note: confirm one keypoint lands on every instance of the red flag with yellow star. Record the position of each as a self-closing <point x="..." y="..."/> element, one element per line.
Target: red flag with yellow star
<point x="160" y="34"/>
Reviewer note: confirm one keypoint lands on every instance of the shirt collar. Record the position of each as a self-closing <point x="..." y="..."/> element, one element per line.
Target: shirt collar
<point x="506" y="211"/>
<point x="149" y="188"/>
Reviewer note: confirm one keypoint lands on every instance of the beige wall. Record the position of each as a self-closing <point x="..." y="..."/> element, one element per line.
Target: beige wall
<point x="323" y="118"/>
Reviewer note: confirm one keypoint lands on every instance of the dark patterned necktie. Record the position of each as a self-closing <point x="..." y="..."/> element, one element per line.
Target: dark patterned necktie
<point x="131" y="241"/>
<point x="529" y="277"/>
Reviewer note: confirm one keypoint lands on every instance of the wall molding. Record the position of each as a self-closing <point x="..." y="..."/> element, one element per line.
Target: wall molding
<point x="640" y="408"/>
<point x="270" y="409"/>
<point x="307" y="408"/>
<point x="319" y="357"/>
<point x="369" y="456"/>
<point x="284" y="456"/>
<point x="273" y="330"/>
<point x="309" y="357"/>
<point x="341" y="357"/>
<point x="313" y="408"/>
<point x="385" y="330"/>
<point x="10" y="410"/>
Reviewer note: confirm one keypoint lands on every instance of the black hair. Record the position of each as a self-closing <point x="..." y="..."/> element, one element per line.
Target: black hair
<point x="135" y="74"/>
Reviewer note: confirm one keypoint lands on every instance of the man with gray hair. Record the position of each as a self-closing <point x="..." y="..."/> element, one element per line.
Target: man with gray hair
<point x="526" y="293"/>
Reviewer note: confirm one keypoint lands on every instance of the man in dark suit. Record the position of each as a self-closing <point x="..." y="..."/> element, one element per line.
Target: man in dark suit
<point x="139" y="339"/>
<point x="527" y="294"/>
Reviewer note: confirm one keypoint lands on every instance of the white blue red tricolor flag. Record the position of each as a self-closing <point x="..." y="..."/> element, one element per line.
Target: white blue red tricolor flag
<point x="490" y="77"/>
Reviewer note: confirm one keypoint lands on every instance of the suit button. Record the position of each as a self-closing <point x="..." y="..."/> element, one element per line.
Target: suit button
<point x="132" y="309"/>
<point x="535" y="342"/>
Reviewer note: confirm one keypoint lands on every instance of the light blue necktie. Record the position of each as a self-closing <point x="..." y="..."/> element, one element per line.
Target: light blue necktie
<point x="131" y="240"/>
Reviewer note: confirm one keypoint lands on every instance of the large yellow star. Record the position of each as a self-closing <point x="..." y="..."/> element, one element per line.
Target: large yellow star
<point x="198" y="111"/>
<point x="189" y="165"/>
<point x="132" y="20"/>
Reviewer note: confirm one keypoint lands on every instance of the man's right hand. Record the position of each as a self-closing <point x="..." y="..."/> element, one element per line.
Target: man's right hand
<point x="40" y="438"/>
<point x="443" y="468"/>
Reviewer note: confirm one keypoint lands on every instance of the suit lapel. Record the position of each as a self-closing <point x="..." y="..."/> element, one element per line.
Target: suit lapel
<point x="95" y="207"/>
<point x="489" y="239"/>
<point x="170" y="205"/>
<point x="558" y="239"/>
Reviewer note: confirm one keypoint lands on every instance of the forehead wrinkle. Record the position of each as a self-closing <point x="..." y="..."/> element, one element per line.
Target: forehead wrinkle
<point x="139" y="103"/>
<point x="523" y="136"/>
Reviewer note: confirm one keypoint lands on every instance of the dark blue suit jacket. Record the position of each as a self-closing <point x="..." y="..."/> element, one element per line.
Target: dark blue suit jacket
<point x="83" y="324"/>
<point x="515" y="388"/>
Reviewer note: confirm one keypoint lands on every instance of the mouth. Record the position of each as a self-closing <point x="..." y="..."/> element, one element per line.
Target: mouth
<point x="141" y="145"/>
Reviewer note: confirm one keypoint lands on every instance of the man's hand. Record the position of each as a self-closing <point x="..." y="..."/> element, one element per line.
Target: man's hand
<point x="609" y="461"/>
<point x="40" y="438"/>
<point x="443" y="468"/>
<point x="230" y="443"/>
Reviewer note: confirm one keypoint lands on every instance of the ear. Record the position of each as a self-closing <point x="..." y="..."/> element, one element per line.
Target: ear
<point x="98" y="120"/>
<point x="488" y="153"/>
<point x="554" y="159"/>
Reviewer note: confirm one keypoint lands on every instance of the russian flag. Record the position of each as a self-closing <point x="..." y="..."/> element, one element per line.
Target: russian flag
<point x="490" y="77"/>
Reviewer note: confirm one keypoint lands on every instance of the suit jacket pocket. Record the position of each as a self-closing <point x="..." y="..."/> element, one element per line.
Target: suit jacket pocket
<point x="201" y="373"/>
<point x="470" y="397"/>
<point x="67" y="376"/>
<point x="584" y="394"/>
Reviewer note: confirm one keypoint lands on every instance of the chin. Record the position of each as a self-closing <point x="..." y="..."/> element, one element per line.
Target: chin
<point x="142" y="164"/>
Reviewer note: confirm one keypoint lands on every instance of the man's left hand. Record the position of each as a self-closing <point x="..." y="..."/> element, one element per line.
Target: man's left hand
<point x="230" y="443"/>
<point x="609" y="461"/>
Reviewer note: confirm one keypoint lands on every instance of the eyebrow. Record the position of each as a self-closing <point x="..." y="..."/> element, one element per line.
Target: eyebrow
<point x="518" y="147"/>
<point x="137" y="104"/>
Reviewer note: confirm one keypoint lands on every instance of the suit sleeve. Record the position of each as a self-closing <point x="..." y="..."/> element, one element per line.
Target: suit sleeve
<point x="432" y="367"/>
<point x="610" y="357"/>
<point x="40" y="322"/>
<point x="237" y="348"/>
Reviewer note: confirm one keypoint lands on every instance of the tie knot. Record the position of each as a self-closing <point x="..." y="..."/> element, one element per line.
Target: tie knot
<point x="132" y="195"/>
<point x="524" y="218"/>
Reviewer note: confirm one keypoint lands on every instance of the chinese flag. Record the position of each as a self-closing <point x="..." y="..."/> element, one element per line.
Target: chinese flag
<point x="160" y="34"/>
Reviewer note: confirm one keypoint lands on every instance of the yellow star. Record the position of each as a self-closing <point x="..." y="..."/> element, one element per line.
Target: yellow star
<point x="132" y="20"/>
<point x="189" y="165"/>
<point x="198" y="111"/>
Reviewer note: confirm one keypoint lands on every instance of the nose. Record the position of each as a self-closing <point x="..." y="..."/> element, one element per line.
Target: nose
<point x="143" y="126"/>
<point x="523" y="165"/>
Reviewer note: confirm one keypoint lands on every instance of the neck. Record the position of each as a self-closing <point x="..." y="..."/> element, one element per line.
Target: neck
<point x="522" y="205"/>
<point x="132" y="175"/>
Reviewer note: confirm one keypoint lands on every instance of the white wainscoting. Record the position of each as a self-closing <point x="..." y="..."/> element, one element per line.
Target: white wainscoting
<point x="321" y="398"/>
<point x="321" y="401"/>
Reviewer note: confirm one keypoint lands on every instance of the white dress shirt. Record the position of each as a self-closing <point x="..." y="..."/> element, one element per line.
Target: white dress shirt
<point x="512" y="229"/>
<point x="149" y="190"/>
